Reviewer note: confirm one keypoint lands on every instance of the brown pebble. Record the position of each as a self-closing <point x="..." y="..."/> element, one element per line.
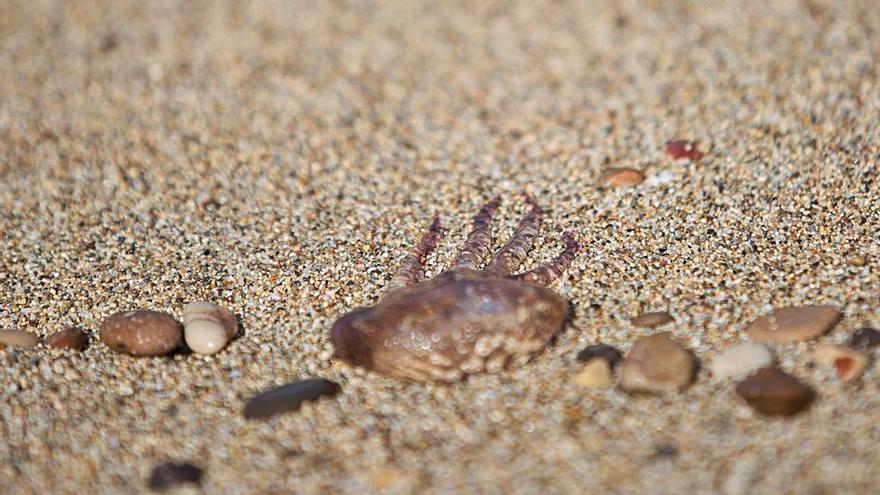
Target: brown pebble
<point x="849" y="363"/>
<point x="288" y="398"/>
<point x="864" y="338"/>
<point x="657" y="364"/>
<point x="17" y="338"/>
<point x="793" y="324"/>
<point x="599" y="351"/>
<point x="72" y="338"/>
<point x="773" y="392"/>
<point x="142" y="333"/>
<point x="652" y="319"/>
<point x="621" y="177"/>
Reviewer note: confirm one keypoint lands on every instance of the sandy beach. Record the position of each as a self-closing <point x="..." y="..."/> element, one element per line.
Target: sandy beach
<point x="279" y="158"/>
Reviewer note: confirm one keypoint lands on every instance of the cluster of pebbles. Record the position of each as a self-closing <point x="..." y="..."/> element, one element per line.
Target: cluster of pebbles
<point x="657" y="364"/>
<point x="207" y="328"/>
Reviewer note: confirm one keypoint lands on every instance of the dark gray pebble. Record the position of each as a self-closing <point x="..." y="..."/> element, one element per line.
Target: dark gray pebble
<point x="864" y="338"/>
<point x="288" y="398"/>
<point x="166" y="475"/>
<point x="600" y="351"/>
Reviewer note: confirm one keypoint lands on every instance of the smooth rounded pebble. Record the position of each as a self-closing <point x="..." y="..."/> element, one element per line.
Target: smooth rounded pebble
<point x="207" y="327"/>
<point x="864" y="338"/>
<point x="652" y="319"/>
<point x="773" y="392"/>
<point x="17" y="338"/>
<point x="170" y="474"/>
<point x="741" y="360"/>
<point x="657" y="364"/>
<point x="849" y="363"/>
<point x="288" y="398"/>
<point x="793" y="324"/>
<point x="72" y="338"/>
<point x="621" y="177"/>
<point x="596" y="373"/>
<point x="600" y="351"/>
<point x="141" y="333"/>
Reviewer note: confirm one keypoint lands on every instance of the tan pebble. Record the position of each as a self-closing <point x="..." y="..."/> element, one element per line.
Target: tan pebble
<point x="657" y="364"/>
<point x="17" y="338"/>
<point x="70" y="338"/>
<point x="621" y="177"/>
<point x="849" y="363"/>
<point x="387" y="477"/>
<point x="141" y="333"/>
<point x="793" y="324"/>
<point x="652" y="319"/>
<point x="208" y="327"/>
<point x="596" y="373"/>
<point x="857" y="260"/>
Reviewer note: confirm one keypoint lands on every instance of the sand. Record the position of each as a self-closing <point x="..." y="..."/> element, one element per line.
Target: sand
<point x="279" y="158"/>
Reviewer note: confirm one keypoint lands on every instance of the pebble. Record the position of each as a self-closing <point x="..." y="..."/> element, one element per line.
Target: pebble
<point x="17" y="338"/>
<point x="621" y="177"/>
<point x="141" y="333"/>
<point x="652" y="319"/>
<point x="857" y="260"/>
<point x="599" y="351"/>
<point x="288" y="398"/>
<point x="773" y="392"/>
<point x="793" y="324"/>
<point x="70" y="338"/>
<point x="207" y="327"/>
<point x="680" y="148"/>
<point x="657" y="364"/>
<point x="864" y="338"/>
<point x="741" y="360"/>
<point x="596" y="373"/>
<point x="169" y="474"/>
<point x="849" y="363"/>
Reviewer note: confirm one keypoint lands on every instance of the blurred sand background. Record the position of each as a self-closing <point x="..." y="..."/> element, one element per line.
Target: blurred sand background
<point x="279" y="157"/>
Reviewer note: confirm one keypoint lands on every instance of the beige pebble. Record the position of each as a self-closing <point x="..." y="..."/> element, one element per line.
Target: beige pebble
<point x="141" y="333"/>
<point x="652" y="319"/>
<point x="70" y="338"/>
<point x="793" y="324"/>
<point x="208" y="327"/>
<point x="657" y="364"/>
<point x="857" y="260"/>
<point x="17" y="338"/>
<point x="849" y="363"/>
<point x="621" y="177"/>
<point x="596" y="373"/>
<point x="741" y="360"/>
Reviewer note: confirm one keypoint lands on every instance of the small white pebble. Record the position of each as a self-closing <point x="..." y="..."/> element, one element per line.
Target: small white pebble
<point x="207" y="328"/>
<point x="741" y="360"/>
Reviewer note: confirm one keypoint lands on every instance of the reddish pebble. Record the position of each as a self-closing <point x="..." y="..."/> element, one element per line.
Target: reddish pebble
<point x="70" y="338"/>
<point x="849" y="363"/>
<point x="142" y="333"/>
<point x="680" y="148"/>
